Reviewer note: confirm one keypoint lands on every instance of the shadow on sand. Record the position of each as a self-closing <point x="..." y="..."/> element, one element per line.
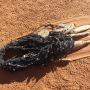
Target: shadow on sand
<point x="34" y="71"/>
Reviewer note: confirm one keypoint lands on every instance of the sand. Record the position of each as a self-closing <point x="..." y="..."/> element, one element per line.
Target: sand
<point x="20" y="17"/>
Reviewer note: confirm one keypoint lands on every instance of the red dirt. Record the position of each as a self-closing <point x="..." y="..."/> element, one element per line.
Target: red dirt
<point x="20" y="17"/>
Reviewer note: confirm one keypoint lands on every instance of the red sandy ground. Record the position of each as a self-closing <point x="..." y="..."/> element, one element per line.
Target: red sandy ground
<point x="20" y="17"/>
